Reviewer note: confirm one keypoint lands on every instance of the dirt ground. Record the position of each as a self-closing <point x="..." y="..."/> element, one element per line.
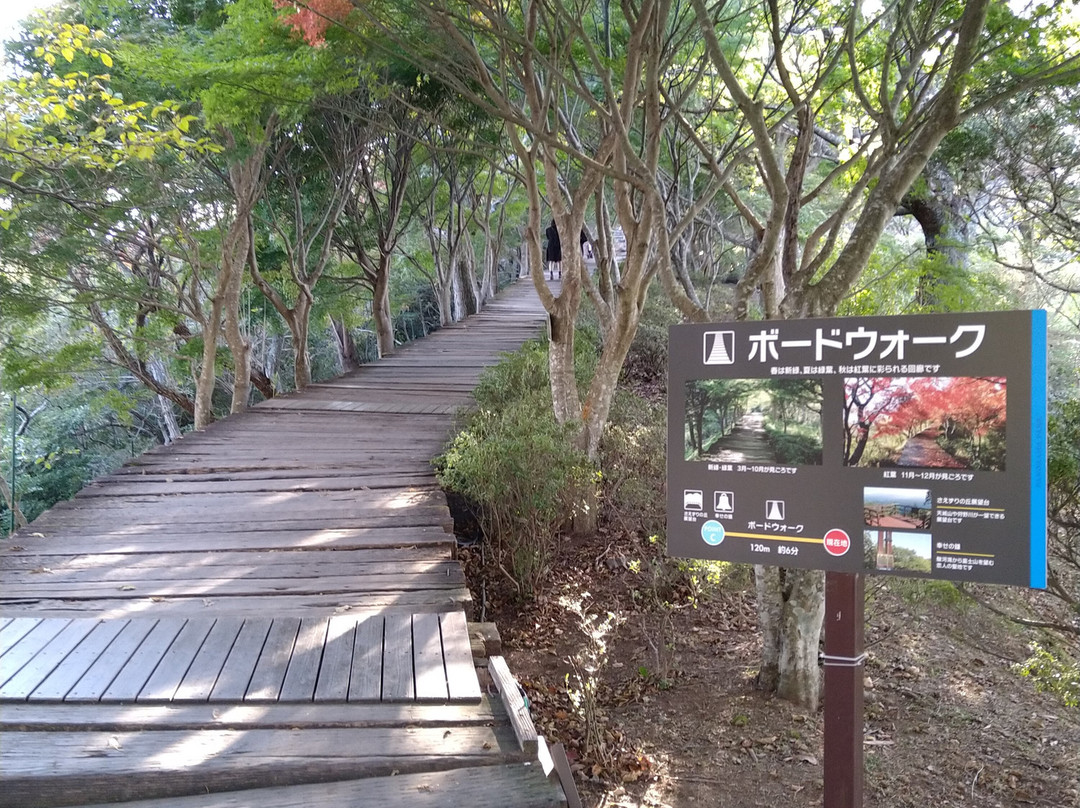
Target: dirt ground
<point x="648" y="678"/>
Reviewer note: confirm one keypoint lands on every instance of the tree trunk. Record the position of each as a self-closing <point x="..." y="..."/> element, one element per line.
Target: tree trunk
<point x="380" y="309"/>
<point x="345" y="344"/>
<point x="299" y="325"/>
<point x="791" y="607"/>
<point x="204" y="384"/>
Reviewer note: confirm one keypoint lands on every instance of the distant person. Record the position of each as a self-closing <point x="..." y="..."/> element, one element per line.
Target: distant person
<point x="586" y="247"/>
<point x="554" y="252"/>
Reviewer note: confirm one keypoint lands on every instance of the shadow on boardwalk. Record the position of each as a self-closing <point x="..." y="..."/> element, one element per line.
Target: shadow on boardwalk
<point x="270" y="604"/>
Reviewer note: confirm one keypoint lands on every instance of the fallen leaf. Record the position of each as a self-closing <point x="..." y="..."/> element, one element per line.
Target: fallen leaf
<point x="126" y="588"/>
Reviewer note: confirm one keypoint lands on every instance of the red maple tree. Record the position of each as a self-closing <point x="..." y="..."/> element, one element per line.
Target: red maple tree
<point x="312" y="18"/>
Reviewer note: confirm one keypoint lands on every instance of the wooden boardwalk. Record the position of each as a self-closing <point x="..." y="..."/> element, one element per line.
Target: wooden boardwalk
<point x="269" y="612"/>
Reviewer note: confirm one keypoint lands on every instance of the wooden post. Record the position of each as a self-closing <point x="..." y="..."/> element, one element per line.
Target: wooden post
<point x="844" y="658"/>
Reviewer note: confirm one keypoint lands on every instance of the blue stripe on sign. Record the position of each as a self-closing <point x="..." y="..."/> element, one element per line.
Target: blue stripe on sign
<point x="1038" y="449"/>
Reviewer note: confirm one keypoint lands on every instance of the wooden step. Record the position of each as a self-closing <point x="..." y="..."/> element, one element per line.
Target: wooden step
<point x="518" y="785"/>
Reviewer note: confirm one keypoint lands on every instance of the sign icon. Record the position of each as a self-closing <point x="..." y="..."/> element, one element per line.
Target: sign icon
<point x="723" y="501"/>
<point x="719" y="347"/>
<point x="712" y="532"/>
<point x="774" y="509"/>
<point x="837" y="542"/>
<point x="693" y="500"/>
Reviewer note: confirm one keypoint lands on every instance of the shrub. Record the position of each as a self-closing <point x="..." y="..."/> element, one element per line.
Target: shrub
<point x="793" y="448"/>
<point x="518" y="466"/>
<point x="1053" y="674"/>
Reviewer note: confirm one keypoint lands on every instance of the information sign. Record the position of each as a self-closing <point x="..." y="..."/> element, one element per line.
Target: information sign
<point x="910" y="445"/>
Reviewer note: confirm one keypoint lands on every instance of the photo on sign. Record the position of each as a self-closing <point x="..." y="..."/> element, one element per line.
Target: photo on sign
<point x="893" y="551"/>
<point x="767" y="421"/>
<point x="925" y="422"/>
<point x="903" y="508"/>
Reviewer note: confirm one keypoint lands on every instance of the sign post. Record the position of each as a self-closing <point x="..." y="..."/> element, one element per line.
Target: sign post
<point x="911" y="446"/>
<point x="844" y="657"/>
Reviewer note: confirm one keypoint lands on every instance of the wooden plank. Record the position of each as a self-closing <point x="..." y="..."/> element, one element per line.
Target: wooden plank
<point x="14" y="630"/>
<point x="252" y="605"/>
<point x="478" y="787"/>
<point x="566" y="776"/>
<point x="303" y="672"/>
<point x="93" y="684"/>
<point x="333" y="683"/>
<point x="428" y="669"/>
<point x="174" y="663"/>
<point x="365" y="682"/>
<point x="31" y="643"/>
<point x="91" y="766"/>
<point x="462" y="684"/>
<point x="314" y="565"/>
<point x="520" y="720"/>
<point x="142" y="662"/>
<point x="274" y="660"/>
<point x="398" y="684"/>
<point x="57" y="685"/>
<point x="235" y="676"/>
<point x="389" y="559"/>
<point x="201" y="587"/>
<point x="44" y="662"/>
<point x="202" y="675"/>
<point x="29" y="716"/>
<point x="234" y="536"/>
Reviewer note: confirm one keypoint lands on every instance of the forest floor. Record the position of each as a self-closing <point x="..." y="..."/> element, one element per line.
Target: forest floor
<point x="663" y="669"/>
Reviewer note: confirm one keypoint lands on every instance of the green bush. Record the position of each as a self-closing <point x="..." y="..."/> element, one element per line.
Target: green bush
<point x="519" y="467"/>
<point x="1053" y="673"/>
<point x="633" y="463"/>
<point x="793" y="448"/>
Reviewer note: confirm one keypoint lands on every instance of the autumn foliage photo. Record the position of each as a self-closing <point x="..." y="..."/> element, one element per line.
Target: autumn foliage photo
<point x="925" y="422"/>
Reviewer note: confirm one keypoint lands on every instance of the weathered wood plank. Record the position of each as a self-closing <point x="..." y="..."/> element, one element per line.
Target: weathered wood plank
<point x="76" y="664"/>
<point x="248" y="606"/>
<point x="144" y="660"/>
<point x="303" y="672"/>
<point x="245" y="585"/>
<point x="134" y="539"/>
<point x="333" y="682"/>
<point x="478" y="787"/>
<point x="235" y="676"/>
<point x="398" y="683"/>
<point x="14" y="630"/>
<point x="44" y="662"/>
<point x="365" y="682"/>
<point x="520" y="719"/>
<point x="374" y="561"/>
<point x="174" y="663"/>
<point x="201" y="677"/>
<point x="94" y="766"/>
<point x="462" y="684"/>
<point x="31" y="643"/>
<point x="428" y="669"/>
<point x="273" y="662"/>
<point x="31" y="716"/>
<point x="93" y="684"/>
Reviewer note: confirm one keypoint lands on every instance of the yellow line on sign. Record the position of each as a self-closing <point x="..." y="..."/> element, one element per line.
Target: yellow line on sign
<point x="969" y="508"/>
<point x="959" y="554"/>
<point x="777" y="538"/>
